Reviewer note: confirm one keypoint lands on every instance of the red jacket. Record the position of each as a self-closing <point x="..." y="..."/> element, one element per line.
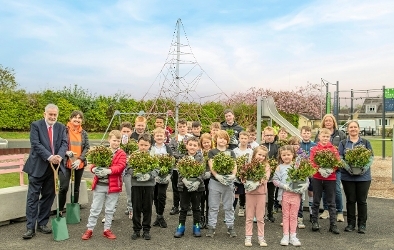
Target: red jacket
<point x="115" y="178"/>
<point x="319" y="147"/>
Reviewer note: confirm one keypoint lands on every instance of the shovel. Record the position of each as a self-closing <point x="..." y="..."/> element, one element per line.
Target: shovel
<point x="73" y="214"/>
<point x="59" y="225"/>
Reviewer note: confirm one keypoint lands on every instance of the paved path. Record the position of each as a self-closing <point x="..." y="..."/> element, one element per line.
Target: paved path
<point x="379" y="235"/>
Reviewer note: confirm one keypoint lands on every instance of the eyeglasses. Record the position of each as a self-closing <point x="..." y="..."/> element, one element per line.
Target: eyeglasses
<point x="268" y="135"/>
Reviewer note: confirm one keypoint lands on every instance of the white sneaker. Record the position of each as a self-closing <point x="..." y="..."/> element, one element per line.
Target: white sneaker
<point x="324" y="215"/>
<point x="285" y="240"/>
<point x="241" y="212"/>
<point x="248" y="241"/>
<point x="281" y="224"/>
<point x="300" y="223"/>
<point x="294" y="240"/>
<point x="340" y="218"/>
<point x="103" y="220"/>
<point x="262" y="242"/>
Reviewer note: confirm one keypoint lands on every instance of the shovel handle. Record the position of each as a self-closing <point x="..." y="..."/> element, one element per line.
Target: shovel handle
<point x="72" y="186"/>
<point x="55" y="176"/>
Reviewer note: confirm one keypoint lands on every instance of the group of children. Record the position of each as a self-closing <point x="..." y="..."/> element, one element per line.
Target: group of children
<point x="202" y="196"/>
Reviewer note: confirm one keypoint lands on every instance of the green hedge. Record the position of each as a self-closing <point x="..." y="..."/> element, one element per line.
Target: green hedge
<point x="18" y="109"/>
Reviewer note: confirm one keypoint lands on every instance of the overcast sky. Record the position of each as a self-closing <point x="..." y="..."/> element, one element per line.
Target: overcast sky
<point x="112" y="46"/>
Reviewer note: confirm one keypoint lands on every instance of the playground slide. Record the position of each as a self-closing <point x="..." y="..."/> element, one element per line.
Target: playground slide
<point x="269" y="110"/>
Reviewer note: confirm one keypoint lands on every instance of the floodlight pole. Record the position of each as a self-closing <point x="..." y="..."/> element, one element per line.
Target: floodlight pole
<point x="178" y="55"/>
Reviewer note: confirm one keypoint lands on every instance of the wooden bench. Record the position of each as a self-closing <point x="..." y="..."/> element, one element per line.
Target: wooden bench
<point x="12" y="164"/>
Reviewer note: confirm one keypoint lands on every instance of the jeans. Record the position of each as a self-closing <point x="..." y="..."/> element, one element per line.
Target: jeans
<point x="338" y="195"/>
<point x="356" y="192"/>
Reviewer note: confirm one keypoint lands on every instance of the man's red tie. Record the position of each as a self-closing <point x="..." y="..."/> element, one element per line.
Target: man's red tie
<point x="50" y="137"/>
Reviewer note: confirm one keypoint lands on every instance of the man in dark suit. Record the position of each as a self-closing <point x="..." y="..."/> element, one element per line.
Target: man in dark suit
<point x="48" y="145"/>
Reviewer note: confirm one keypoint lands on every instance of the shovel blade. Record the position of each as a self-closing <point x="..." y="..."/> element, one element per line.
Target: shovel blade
<point x="59" y="229"/>
<point x="73" y="213"/>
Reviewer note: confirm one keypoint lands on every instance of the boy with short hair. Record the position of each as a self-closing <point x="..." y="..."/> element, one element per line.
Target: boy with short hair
<point x="191" y="192"/>
<point x="160" y="196"/>
<point x="189" y="127"/>
<point x="142" y="189"/>
<point x="126" y="129"/>
<point x="320" y="183"/>
<point x="252" y="137"/>
<point x="160" y="123"/>
<point x="241" y="150"/>
<point x="221" y="188"/>
<point x="196" y="129"/>
<point x="230" y="124"/>
<point x="174" y="145"/>
<point x="106" y="188"/>
<point x="215" y="127"/>
<point x="282" y="134"/>
<point x="139" y="126"/>
<point x="269" y="139"/>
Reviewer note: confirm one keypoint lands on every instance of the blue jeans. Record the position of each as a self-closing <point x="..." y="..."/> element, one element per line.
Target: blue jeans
<point x="338" y="195"/>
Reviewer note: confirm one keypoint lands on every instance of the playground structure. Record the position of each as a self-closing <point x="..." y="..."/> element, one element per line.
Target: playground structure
<point x="266" y="109"/>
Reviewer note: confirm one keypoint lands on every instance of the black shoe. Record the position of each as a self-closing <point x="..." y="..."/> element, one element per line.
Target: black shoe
<point x="44" y="229"/>
<point x="271" y="218"/>
<point x="334" y="229"/>
<point x="189" y="212"/>
<point x="174" y="211"/>
<point x="315" y="226"/>
<point x="135" y="235"/>
<point x="362" y="229"/>
<point x="162" y="222"/>
<point x="146" y="235"/>
<point x="202" y="222"/>
<point x="350" y="228"/>
<point x="29" y="234"/>
<point x="156" y="223"/>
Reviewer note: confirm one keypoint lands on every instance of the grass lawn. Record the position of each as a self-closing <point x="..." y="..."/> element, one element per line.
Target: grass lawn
<point x="11" y="180"/>
<point x="25" y="135"/>
<point x="377" y="148"/>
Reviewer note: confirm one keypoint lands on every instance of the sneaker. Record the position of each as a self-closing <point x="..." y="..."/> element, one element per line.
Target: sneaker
<point x="340" y="218"/>
<point x="146" y="235"/>
<point x="271" y="218"/>
<point x="174" y="211"/>
<point x="135" y="235"/>
<point x="103" y="220"/>
<point x="156" y="222"/>
<point x="126" y="212"/>
<point x="162" y="222"/>
<point x="254" y="220"/>
<point x="131" y="214"/>
<point x="281" y="224"/>
<point x="300" y="223"/>
<point x="108" y="234"/>
<point x="87" y="235"/>
<point x="203" y="223"/>
<point x="334" y="229"/>
<point x="262" y="242"/>
<point x="324" y="215"/>
<point x="362" y="229"/>
<point x="196" y="230"/>
<point x="210" y="232"/>
<point x="350" y="228"/>
<point x="231" y="232"/>
<point x="189" y="212"/>
<point x="248" y="241"/>
<point x="285" y="240"/>
<point x="241" y="212"/>
<point x="294" y="240"/>
<point x="180" y="231"/>
<point x="315" y="226"/>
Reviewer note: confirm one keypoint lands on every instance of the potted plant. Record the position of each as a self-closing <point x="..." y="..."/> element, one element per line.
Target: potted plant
<point x="252" y="174"/>
<point x="190" y="169"/>
<point x="129" y="147"/>
<point x="299" y="172"/>
<point x="166" y="163"/>
<point x="273" y="162"/>
<point x="100" y="156"/>
<point x="142" y="163"/>
<point x="223" y="164"/>
<point x="241" y="161"/>
<point x="327" y="161"/>
<point x="357" y="158"/>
